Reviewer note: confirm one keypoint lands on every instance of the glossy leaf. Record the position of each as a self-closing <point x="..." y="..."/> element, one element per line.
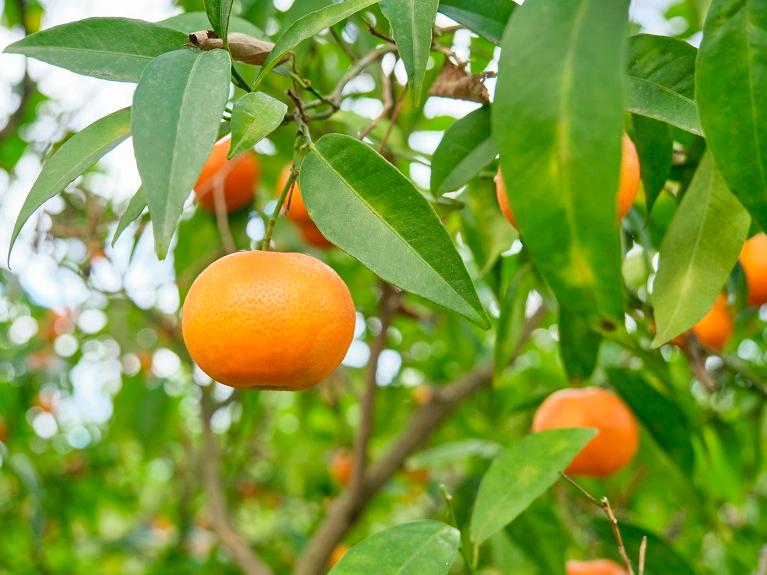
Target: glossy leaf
<point x="578" y="345"/>
<point x="662" y="81"/>
<point x="465" y="149"/>
<point x="486" y="231"/>
<point x="189" y="22"/>
<point x="731" y="89"/>
<point x="663" y="418"/>
<point x="559" y="136"/>
<point x="698" y="252"/>
<point x="219" y="12"/>
<point x="654" y="146"/>
<point x="411" y="23"/>
<point x="308" y="26"/>
<point x="520" y="474"/>
<point x="74" y="156"/>
<point x="177" y="109"/>
<point x="417" y="548"/>
<point x="487" y="18"/>
<point x="131" y="214"/>
<point x="539" y="532"/>
<point x="254" y="116"/>
<point x="365" y="206"/>
<point x="107" y="48"/>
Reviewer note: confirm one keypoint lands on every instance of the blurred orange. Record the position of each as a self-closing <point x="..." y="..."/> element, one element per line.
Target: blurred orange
<point x="597" y="567"/>
<point x="237" y="178"/>
<point x="716" y="327"/>
<point x="422" y="394"/>
<point x="341" y="467"/>
<point x="753" y="260"/>
<point x="295" y="211"/>
<point x="337" y="554"/>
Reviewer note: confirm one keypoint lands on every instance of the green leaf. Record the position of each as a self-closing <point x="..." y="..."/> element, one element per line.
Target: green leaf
<point x="654" y="146"/>
<point x="539" y="532"/>
<point x="662" y="81"/>
<point x="663" y="558"/>
<point x="559" y="136"/>
<point x="578" y="345"/>
<point x="219" y="12"/>
<point x="486" y="231"/>
<point x="411" y="23"/>
<point x="487" y="18"/>
<point x="365" y="206"/>
<point x="731" y="88"/>
<point x="74" y="156"/>
<point x="417" y="548"/>
<point x="189" y="22"/>
<point x="698" y="252"/>
<point x="465" y="149"/>
<point x="663" y="418"/>
<point x="511" y="322"/>
<point x="132" y="212"/>
<point x="308" y="26"/>
<point x="453" y="452"/>
<point x="107" y="48"/>
<point x="254" y="116"/>
<point x="177" y="109"/>
<point x="520" y="474"/>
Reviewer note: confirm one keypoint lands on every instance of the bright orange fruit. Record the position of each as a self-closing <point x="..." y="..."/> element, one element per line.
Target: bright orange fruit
<point x="295" y="211"/>
<point x="716" y="327"/>
<point x="268" y="320"/>
<point x="597" y="567"/>
<point x="753" y="260"/>
<point x="236" y="178"/>
<point x="627" y="188"/>
<point x="338" y="553"/>
<point x="617" y="438"/>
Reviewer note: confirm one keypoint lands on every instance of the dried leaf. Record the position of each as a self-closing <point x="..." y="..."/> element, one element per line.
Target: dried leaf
<point x="244" y="48"/>
<point x="454" y="82"/>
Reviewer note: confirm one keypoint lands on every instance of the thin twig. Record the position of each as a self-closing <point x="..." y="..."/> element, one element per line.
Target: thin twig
<point x="386" y="306"/>
<point x="696" y="358"/>
<point x="265" y="243"/>
<point x="762" y="569"/>
<point x="580" y="488"/>
<point x="222" y="216"/>
<point x="380" y="35"/>
<point x="221" y="520"/>
<point x="345" y="509"/>
<point x="392" y="121"/>
<point x="388" y="104"/>
<point x="642" y="554"/>
<point x="344" y="46"/>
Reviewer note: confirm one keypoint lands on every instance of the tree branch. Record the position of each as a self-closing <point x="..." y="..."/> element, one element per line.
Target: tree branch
<point x="348" y="506"/>
<point x="221" y="520"/>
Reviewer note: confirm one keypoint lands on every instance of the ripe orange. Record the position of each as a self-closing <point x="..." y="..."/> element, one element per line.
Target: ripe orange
<point x="627" y="188"/>
<point x="422" y="394"/>
<point x="617" y="438"/>
<point x="338" y="553"/>
<point x="268" y="320"/>
<point x="753" y="260"/>
<point x="313" y="236"/>
<point x="598" y="567"/>
<point x="341" y="467"/>
<point x="237" y="178"/>
<point x="296" y="211"/>
<point x="716" y="327"/>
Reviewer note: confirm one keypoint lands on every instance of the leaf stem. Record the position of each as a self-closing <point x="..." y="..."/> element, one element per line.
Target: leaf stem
<point x="239" y="80"/>
<point x="451" y="512"/>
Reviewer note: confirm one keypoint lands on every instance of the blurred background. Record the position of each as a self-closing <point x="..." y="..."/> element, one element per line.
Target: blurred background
<point x="99" y="404"/>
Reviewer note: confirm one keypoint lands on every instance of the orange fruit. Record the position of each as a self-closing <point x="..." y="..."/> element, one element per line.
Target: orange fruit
<point x="337" y="554"/>
<point x="597" y="567"/>
<point x="341" y="467"/>
<point x="716" y="327"/>
<point x="753" y="260"/>
<point x="3" y="431"/>
<point x="237" y="178"/>
<point x="628" y="185"/>
<point x="313" y="236"/>
<point x="422" y="394"/>
<point x="268" y="320"/>
<point x="295" y="211"/>
<point x="617" y="438"/>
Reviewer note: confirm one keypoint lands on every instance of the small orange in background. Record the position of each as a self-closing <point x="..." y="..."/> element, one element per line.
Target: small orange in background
<point x="3" y="430"/>
<point x="295" y="211"/>
<point x="597" y="567"/>
<point x="341" y="467"/>
<point x="617" y="438"/>
<point x="337" y="554"/>
<point x="628" y="185"/>
<point x="753" y="260"/>
<point x="268" y="320"/>
<point x="236" y="178"/>
<point x="716" y="327"/>
<point x="422" y="394"/>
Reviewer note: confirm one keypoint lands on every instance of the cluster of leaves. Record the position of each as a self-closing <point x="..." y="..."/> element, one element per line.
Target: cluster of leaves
<point x="557" y="135"/>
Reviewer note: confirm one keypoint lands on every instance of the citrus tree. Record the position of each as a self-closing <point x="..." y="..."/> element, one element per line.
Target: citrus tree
<point x="536" y="347"/>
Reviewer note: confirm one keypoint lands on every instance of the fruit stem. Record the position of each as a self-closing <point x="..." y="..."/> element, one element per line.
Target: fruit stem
<point x="278" y="207"/>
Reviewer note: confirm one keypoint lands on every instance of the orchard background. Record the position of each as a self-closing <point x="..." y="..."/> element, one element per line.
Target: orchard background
<point x="404" y="123"/>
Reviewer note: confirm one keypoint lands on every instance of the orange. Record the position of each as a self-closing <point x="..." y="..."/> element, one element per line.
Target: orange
<point x="268" y="320"/>
<point x="598" y="567"/>
<point x="237" y="177"/>
<point x="617" y="437"/>
<point x="627" y="188"/>
<point x="338" y="553"/>
<point x="753" y="260"/>
<point x="295" y="211"/>
<point x="341" y="467"/>
<point x="3" y="431"/>
<point x="716" y="327"/>
<point x="313" y="236"/>
<point x="422" y="394"/>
